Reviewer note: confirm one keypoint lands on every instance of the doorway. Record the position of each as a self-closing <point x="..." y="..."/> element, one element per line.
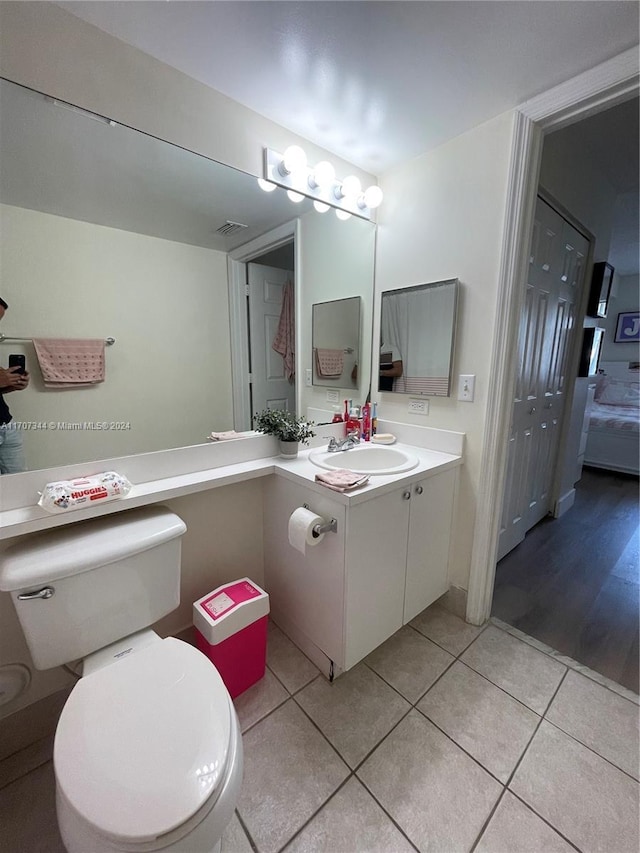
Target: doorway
<point x="573" y="582"/>
<point x="257" y="274"/>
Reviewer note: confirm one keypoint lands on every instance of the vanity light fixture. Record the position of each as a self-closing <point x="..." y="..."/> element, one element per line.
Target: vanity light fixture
<point x="319" y="183"/>
<point x="343" y="214"/>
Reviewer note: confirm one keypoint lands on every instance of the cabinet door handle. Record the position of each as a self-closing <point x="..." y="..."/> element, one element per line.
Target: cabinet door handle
<point x="406" y="496"/>
<point x="419" y="490"/>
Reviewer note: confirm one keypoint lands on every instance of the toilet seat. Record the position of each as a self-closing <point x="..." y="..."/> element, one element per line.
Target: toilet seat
<point x="143" y="744"/>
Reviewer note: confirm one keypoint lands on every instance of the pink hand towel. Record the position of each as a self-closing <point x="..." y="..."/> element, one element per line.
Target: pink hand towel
<point x="329" y="363"/>
<point x="342" y="480"/>
<point x="284" y="341"/>
<point x="70" y="363"/>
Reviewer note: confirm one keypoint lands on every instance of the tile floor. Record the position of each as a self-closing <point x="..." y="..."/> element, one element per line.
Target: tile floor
<point x="447" y="738"/>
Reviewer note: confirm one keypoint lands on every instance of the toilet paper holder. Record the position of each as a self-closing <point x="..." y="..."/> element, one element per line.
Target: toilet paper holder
<point x="328" y="527"/>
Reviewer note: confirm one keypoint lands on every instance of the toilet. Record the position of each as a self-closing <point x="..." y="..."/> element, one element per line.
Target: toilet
<point x="148" y="750"/>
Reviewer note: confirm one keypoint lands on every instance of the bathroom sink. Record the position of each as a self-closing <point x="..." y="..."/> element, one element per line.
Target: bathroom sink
<point x="366" y="460"/>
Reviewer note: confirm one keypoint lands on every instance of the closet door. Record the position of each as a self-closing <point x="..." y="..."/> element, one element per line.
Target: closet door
<point x="547" y="328"/>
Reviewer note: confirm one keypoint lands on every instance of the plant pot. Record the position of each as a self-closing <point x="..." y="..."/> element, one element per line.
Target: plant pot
<point x="288" y="449"/>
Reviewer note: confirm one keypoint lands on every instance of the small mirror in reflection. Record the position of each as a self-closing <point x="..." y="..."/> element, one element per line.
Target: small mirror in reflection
<point x="336" y="343"/>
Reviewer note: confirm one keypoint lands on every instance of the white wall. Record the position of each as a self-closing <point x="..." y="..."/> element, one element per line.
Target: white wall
<point x="626" y="298"/>
<point x="443" y="218"/>
<point x="166" y="303"/>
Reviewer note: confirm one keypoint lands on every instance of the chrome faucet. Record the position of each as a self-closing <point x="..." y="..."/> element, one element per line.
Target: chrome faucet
<point x="335" y="445"/>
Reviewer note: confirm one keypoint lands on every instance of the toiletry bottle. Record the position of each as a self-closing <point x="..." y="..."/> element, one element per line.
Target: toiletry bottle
<point x="366" y="422"/>
<point x="374" y="419"/>
<point x="337" y="418"/>
<point x="346" y="418"/>
<point x="353" y="425"/>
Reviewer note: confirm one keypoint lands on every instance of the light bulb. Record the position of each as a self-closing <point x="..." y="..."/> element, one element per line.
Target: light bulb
<point x="323" y="175"/>
<point x="351" y="187"/>
<point x="343" y="214"/>
<point x="293" y="160"/>
<point x="293" y="196"/>
<point x="373" y="197"/>
<point x="321" y="207"/>
<point x="266" y="186"/>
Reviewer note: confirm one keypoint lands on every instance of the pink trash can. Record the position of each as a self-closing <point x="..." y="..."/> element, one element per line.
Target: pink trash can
<point x="231" y="630"/>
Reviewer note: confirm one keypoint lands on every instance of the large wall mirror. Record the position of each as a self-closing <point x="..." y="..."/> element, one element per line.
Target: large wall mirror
<point x="108" y="232"/>
<point x="417" y="331"/>
<point x="336" y="343"/>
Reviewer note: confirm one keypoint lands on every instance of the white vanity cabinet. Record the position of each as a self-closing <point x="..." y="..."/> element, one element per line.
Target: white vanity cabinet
<point x="352" y="591"/>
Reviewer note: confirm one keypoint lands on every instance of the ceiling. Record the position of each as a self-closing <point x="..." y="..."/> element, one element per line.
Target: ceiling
<point x="377" y="83"/>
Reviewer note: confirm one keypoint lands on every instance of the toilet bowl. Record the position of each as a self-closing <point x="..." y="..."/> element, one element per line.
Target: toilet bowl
<point x="148" y="750"/>
<point x="148" y="754"/>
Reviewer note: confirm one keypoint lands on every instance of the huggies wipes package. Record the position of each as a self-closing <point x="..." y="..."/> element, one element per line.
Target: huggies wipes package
<point x="85" y="491"/>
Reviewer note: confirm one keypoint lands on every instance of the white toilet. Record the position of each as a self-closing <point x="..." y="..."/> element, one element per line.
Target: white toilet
<point x="148" y="750"/>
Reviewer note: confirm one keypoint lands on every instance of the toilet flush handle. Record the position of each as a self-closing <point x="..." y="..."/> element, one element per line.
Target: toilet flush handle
<point x="45" y="592"/>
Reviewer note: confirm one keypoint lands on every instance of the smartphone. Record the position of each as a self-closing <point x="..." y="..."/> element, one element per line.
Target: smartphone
<point x="17" y="360"/>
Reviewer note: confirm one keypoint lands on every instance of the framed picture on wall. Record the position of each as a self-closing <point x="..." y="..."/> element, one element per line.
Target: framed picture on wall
<point x="627" y="327"/>
<point x="600" y="291"/>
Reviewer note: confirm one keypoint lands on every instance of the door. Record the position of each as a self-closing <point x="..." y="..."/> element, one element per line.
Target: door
<point x="547" y="332"/>
<point x="269" y="386"/>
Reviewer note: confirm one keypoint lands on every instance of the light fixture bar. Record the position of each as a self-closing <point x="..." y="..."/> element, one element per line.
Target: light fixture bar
<point x="302" y="180"/>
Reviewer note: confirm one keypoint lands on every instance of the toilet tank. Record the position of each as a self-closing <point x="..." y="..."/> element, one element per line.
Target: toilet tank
<point x="83" y="586"/>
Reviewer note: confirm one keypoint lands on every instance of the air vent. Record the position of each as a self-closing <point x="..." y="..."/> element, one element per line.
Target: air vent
<point x="230" y="228"/>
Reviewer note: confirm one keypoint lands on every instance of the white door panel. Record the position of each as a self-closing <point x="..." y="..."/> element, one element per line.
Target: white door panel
<point x="270" y="389"/>
<point x="547" y="328"/>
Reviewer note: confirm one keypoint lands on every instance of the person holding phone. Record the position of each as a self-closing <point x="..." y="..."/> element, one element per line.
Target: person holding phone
<point x="14" y="378"/>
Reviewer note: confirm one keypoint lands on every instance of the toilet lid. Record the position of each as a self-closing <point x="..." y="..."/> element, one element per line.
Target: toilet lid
<point x="143" y="743"/>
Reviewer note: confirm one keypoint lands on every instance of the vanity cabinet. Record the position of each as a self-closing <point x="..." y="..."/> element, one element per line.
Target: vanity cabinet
<point x="348" y="594"/>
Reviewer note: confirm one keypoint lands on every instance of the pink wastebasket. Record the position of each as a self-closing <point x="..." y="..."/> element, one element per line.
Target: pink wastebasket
<point x="231" y="630"/>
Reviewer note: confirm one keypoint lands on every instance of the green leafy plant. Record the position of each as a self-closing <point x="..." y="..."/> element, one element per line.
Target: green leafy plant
<point x="284" y="425"/>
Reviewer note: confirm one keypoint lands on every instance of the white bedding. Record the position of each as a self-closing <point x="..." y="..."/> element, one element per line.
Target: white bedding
<point x="614" y="425"/>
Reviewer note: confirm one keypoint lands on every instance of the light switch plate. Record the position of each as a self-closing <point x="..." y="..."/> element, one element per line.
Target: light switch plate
<point x="466" y="387"/>
<point x="308" y="378"/>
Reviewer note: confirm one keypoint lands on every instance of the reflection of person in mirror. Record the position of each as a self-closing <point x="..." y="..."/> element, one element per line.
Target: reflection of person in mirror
<point x="390" y="366"/>
<point x="11" y="453"/>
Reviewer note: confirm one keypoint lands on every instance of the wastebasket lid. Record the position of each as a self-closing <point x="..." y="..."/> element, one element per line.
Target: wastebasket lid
<point x="229" y="608"/>
<point x="143" y="743"/>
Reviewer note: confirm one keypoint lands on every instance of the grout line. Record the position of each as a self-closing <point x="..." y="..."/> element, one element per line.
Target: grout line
<point x="502" y="689"/>
<point x="488" y="820"/>
<point x="543" y="819"/>
<point x="535" y="731"/>
<point x="483" y="628"/>
<point x="252" y="843"/>
<point x="591" y="749"/>
<point x="571" y="663"/>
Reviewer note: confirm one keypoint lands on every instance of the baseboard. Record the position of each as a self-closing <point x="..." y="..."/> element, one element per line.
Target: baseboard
<point x="564" y="503"/>
<point x="455" y="601"/>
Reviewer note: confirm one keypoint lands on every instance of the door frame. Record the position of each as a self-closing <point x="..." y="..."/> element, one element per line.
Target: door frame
<point x="600" y="88"/>
<point x="237" y="261"/>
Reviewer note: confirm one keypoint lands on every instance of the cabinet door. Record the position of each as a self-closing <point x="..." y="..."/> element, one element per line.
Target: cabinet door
<point x="376" y="559"/>
<point x="428" y="544"/>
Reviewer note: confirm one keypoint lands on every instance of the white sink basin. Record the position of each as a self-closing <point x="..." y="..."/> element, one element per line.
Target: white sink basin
<point x="366" y="460"/>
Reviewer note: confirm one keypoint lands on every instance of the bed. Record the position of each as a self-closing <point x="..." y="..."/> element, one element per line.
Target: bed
<point x="613" y="440"/>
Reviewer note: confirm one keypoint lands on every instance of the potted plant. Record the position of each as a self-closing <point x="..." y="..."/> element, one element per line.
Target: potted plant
<point x="287" y="427"/>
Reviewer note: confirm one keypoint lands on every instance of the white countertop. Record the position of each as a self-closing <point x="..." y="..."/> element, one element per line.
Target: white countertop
<point x="27" y="519"/>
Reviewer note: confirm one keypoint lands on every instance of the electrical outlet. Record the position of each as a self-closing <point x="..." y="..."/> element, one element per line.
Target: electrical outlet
<point x="466" y="387"/>
<point x="332" y="397"/>
<point x="308" y="378"/>
<point x="419" y="407"/>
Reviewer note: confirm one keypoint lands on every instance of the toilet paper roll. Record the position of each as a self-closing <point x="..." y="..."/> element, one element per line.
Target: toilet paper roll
<point x="301" y="524"/>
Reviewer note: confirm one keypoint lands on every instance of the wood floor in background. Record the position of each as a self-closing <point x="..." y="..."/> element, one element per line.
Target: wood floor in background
<point x="574" y="581"/>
